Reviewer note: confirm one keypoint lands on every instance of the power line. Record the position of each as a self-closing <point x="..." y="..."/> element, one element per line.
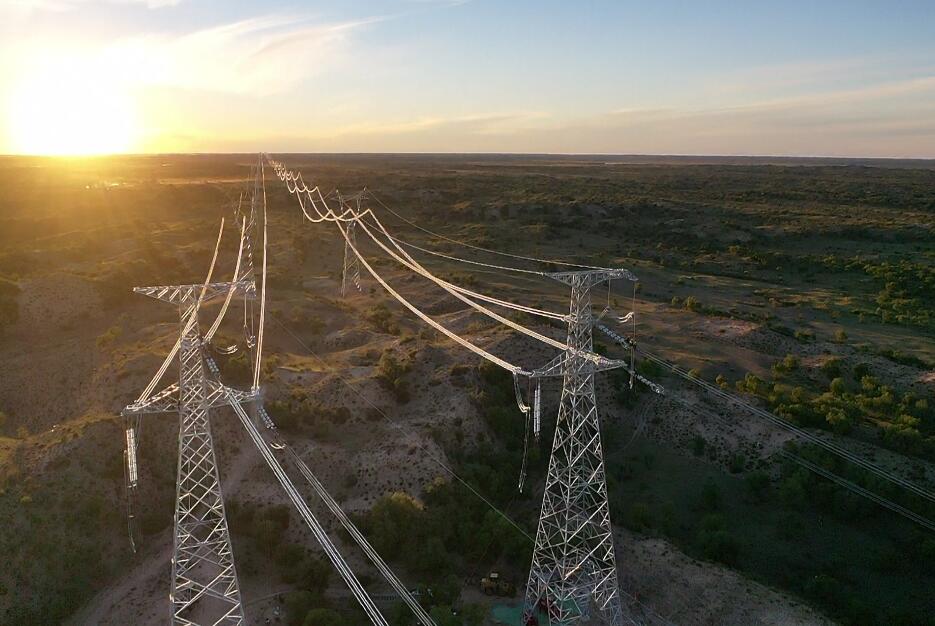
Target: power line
<point x="480" y="248"/>
<point x="458" y="292"/>
<point x="826" y="473"/>
<point x="334" y="555"/>
<point x="399" y="427"/>
<point x="811" y="438"/>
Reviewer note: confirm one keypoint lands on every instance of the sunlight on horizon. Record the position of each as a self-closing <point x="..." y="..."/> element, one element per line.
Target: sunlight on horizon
<point x="71" y="110"/>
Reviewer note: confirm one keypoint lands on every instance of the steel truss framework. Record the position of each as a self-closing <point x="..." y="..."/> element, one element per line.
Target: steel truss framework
<point x="205" y="589"/>
<point x="351" y="272"/>
<point x="573" y="566"/>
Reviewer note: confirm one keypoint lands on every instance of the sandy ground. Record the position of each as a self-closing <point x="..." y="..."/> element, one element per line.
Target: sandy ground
<point x="667" y="587"/>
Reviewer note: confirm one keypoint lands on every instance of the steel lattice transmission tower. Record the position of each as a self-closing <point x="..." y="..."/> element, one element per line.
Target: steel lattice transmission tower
<point x="204" y="580"/>
<point x="574" y="573"/>
<point x="351" y="272"/>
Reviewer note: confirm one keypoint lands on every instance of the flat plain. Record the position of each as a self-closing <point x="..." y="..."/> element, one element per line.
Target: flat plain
<point x="804" y="286"/>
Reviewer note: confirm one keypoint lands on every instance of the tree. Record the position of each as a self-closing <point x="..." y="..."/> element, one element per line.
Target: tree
<point x="714" y="540"/>
<point x="757" y="483"/>
<point x="837" y="386"/>
<point x="298" y="604"/>
<point x="710" y="497"/>
<point x="392" y="521"/>
<point x="837" y="418"/>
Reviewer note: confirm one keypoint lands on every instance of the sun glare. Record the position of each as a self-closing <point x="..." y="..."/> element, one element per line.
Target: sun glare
<point x="68" y="113"/>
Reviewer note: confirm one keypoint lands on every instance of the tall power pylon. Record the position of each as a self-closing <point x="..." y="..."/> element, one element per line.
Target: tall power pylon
<point x="205" y="589"/>
<point x="351" y="271"/>
<point x="573" y="566"/>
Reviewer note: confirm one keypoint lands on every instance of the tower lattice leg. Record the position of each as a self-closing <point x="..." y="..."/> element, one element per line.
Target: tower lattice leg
<point x="351" y="272"/>
<point x="573" y="576"/>
<point x="204" y="582"/>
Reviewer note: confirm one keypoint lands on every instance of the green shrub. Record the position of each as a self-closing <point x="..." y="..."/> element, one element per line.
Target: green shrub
<point x="109" y="336"/>
<point x="832" y="367"/>
<point x="787" y="365"/>
<point x="639" y="517"/>
<point x="757" y="484"/>
<point x="715" y="542"/>
<point x="710" y="497"/>
<point x="390" y="373"/>
<point x="298" y="605"/>
<point x="382" y="320"/>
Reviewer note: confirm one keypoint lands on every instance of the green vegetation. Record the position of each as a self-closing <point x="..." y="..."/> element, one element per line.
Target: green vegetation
<point x="39" y="512"/>
<point x="836" y="259"/>
<point x="109" y="336"/>
<point x="259" y="534"/>
<point x="907" y="293"/>
<point x="391" y="374"/>
<point x="903" y="421"/>
<point x="382" y="320"/>
<point x="302" y="413"/>
<point x="447" y="533"/>
<point x="847" y="556"/>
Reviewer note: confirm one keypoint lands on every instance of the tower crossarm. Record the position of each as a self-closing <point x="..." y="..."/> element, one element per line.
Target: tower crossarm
<point x="167" y="400"/>
<point x="176" y="294"/>
<point x="586" y="279"/>
<point x="557" y="366"/>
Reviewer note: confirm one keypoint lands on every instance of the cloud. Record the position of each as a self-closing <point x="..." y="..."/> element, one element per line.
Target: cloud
<point x="259" y="56"/>
<point x="27" y="6"/>
<point x="484" y="124"/>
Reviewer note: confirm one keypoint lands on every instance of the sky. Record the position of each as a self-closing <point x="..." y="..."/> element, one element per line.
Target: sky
<point x="817" y="78"/>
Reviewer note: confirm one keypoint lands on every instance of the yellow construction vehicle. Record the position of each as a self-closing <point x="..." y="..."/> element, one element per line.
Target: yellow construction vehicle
<point x="493" y="585"/>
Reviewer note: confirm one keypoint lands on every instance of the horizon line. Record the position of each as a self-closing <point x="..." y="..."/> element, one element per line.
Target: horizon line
<point x="474" y="153"/>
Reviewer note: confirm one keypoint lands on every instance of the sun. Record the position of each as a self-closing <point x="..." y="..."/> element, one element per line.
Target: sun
<point x="70" y="113"/>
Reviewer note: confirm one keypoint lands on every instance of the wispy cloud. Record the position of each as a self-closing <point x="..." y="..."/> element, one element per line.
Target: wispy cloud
<point x="258" y="56"/>
<point x="67" y="5"/>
